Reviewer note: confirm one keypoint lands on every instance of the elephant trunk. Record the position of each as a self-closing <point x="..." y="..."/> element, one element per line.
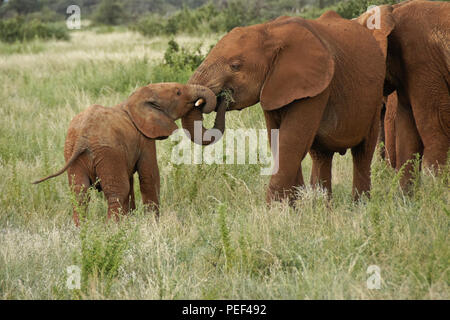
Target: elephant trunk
<point x="189" y="120"/>
<point x="205" y="95"/>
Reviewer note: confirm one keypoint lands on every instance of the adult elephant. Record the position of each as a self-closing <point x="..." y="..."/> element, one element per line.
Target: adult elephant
<point x="320" y="82"/>
<point x="418" y="64"/>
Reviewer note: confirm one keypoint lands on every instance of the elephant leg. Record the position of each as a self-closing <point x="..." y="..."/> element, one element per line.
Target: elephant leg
<point x="149" y="182"/>
<point x="407" y="141"/>
<point x="131" y="199"/>
<point x="273" y="119"/>
<point x="431" y="109"/>
<point x="115" y="183"/>
<point x="382" y="135"/>
<point x="279" y="187"/>
<point x="299" y="122"/>
<point x="79" y="182"/>
<point x="389" y="129"/>
<point x="117" y="194"/>
<point x="282" y="184"/>
<point x="321" y="169"/>
<point x="362" y="155"/>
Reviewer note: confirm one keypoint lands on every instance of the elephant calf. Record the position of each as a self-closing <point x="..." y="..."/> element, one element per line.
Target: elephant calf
<point x="111" y="144"/>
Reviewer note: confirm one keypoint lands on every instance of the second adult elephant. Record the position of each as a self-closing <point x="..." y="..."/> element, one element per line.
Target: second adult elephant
<point x="418" y="68"/>
<point x="320" y="82"/>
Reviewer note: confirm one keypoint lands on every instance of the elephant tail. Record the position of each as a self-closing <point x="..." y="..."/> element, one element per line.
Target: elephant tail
<point x="79" y="151"/>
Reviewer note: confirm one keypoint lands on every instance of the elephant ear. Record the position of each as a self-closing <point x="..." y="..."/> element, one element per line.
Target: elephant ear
<point x="380" y="22"/>
<point x="151" y="122"/>
<point x="302" y="66"/>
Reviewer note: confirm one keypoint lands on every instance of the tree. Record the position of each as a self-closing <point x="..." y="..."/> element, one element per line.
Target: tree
<point x="23" y="7"/>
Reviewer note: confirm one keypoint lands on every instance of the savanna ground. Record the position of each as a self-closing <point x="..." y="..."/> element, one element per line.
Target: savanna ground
<point x="216" y="238"/>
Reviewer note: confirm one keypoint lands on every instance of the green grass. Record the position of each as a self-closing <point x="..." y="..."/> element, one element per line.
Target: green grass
<point x="216" y="238"/>
<point x="31" y="47"/>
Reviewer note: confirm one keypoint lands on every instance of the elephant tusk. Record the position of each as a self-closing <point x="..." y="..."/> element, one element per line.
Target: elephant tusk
<point x="199" y="102"/>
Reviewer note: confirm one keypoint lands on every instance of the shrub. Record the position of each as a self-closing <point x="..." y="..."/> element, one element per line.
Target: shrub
<point x="178" y="64"/>
<point x="22" y="7"/>
<point x="184" y="20"/>
<point x="182" y="58"/>
<point x="354" y="8"/>
<point x="18" y="29"/>
<point x="102" y="249"/>
<point x="238" y="13"/>
<point x="102" y="252"/>
<point x="46" y="15"/>
<point x="222" y="18"/>
<point x="207" y="18"/>
<point x="149" y="26"/>
<point x="109" y="13"/>
<point x="314" y="12"/>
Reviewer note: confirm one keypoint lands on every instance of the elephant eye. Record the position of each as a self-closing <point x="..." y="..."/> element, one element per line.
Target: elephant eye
<point x="235" y="66"/>
<point x="178" y="92"/>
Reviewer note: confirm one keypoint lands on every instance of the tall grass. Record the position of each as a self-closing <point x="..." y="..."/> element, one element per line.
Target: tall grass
<point x="216" y="237"/>
<point x="19" y="29"/>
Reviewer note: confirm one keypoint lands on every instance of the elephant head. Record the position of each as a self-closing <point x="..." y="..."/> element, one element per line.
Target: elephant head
<point x="155" y="107"/>
<point x="252" y="63"/>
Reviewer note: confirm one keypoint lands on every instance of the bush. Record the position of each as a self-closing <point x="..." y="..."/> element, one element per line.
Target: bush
<point x="234" y="13"/>
<point x="185" y="20"/>
<point x="102" y="251"/>
<point x="18" y="29"/>
<point x="207" y="18"/>
<point x="110" y="13"/>
<point x="354" y="8"/>
<point x="238" y="13"/>
<point x="149" y="26"/>
<point x="22" y="7"/>
<point x="182" y="58"/>
<point x="46" y="15"/>
<point x="178" y="64"/>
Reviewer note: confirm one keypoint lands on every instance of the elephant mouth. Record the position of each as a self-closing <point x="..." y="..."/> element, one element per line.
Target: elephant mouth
<point x="200" y="104"/>
<point x="225" y="96"/>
